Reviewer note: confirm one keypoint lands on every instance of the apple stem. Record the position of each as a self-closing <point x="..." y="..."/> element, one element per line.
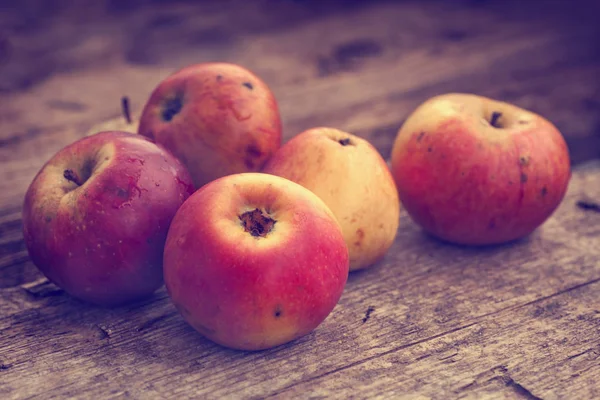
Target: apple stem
<point x="125" y="109"/>
<point x="494" y="121"/>
<point x="256" y="223"/>
<point x="70" y="175"/>
<point x="344" y="142"/>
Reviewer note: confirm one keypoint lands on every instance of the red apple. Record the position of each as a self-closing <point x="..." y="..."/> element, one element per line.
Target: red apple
<point x="218" y="118"/>
<point x="96" y="216"/>
<point x="473" y="170"/>
<point x="352" y="178"/>
<point x="253" y="261"/>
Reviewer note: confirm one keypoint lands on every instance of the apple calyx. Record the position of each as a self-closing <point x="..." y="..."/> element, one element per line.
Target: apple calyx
<point x="345" y="142"/>
<point x="72" y="176"/>
<point x="172" y="107"/>
<point x="257" y="223"/>
<point x="125" y="109"/>
<point x="494" y="120"/>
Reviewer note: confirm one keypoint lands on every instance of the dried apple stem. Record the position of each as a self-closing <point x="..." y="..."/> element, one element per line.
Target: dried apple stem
<point x="494" y="121"/>
<point x="256" y="223"/>
<point x="125" y="109"/>
<point x="72" y="176"/>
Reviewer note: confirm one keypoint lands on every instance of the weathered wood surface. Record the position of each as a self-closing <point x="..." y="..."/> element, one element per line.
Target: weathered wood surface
<point x="431" y="320"/>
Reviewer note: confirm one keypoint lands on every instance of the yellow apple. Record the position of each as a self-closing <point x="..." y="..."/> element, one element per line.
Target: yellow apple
<point x="352" y="178"/>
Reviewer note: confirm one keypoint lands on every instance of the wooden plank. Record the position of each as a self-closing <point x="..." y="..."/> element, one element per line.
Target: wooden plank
<point x="429" y="300"/>
<point x="390" y="86"/>
<point x="431" y="320"/>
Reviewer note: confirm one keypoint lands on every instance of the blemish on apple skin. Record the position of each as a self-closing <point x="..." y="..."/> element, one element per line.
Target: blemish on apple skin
<point x="219" y="78"/>
<point x="248" y="85"/>
<point x="420" y="137"/>
<point x="132" y="160"/>
<point x="523" y="160"/>
<point x="188" y="186"/>
<point x="523" y="177"/>
<point x="278" y="311"/>
<point x="544" y="191"/>
<point x="429" y="149"/>
<point x="361" y="235"/>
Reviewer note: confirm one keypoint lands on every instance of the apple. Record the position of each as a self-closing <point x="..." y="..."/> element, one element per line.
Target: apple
<point x="217" y="118"/>
<point x="352" y="178"/>
<point x="476" y="171"/>
<point x="253" y="261"/>
<point x="126" y="122"/>
<point x="96" y="216"/>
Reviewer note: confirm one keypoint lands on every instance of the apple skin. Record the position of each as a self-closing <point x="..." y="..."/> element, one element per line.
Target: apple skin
<point x="251" y="292"/>
<point x="353" y="180"/>
<point x="102" y="241"/>
<point x="468" y="182"/>
<point x="217" y="118"/>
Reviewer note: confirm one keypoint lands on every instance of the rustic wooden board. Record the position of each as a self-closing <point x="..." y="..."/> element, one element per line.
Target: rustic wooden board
<point x="432" y="320"/>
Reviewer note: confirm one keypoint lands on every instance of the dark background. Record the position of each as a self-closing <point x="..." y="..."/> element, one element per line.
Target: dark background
<point x="39" y="39"/>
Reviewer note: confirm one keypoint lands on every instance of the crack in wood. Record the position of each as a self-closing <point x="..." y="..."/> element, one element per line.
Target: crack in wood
<point x="42" y="288"/>
<point x="591" y="350"/>
<point x="153" y="321"/>
<point x="20" y="137"/>
<point x="4" y="367"/>
<point x="561" y="292"/>
<point x="588" y="205"/>
<point x="102" y="332"/>
<point x="368" y="314"/>
<point x="367" y="359"/>
<point x="500" y="374"/>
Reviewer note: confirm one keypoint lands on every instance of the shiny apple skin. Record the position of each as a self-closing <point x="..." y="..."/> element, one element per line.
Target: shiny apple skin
<point x="467" y="182"/>
<point x="251" y="292"/>
<point x="102" y="242"/>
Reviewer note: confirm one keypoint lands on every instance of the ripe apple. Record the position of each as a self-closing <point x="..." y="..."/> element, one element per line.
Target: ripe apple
<point x="217" y="118"/>
<point x="253" y="261"/>
<point x="476" y="171"/>
<point x="127" y="122"/>
<point x="352" y="178"/>
<point x="96" y="216"/>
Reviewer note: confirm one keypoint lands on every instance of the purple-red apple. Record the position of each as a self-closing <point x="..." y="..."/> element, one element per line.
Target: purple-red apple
<point x="217" y="118"/>
<point x="477" y="171"/>
<point x="253" y="261"/>
<point x="96" y="216"/>
<point x="352" y="178"/>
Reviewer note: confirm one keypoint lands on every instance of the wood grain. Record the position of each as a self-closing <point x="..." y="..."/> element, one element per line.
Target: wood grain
<point x="432" y="320"/>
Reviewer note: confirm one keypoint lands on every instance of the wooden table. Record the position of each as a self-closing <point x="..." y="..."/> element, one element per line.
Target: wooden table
<point x="432" y="320"/>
